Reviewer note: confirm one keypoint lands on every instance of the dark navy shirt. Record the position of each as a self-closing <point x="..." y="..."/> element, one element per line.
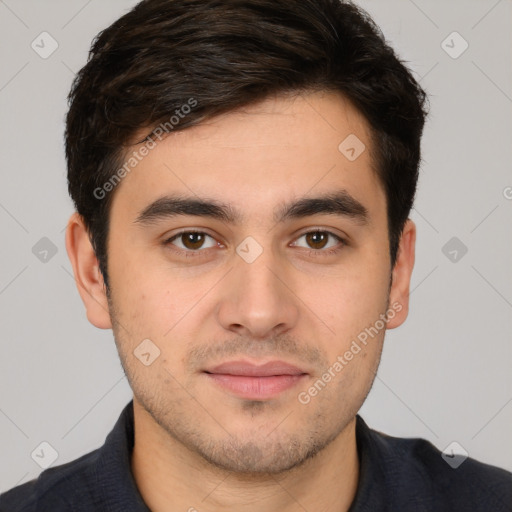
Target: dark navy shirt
<point x="405" y="475"/>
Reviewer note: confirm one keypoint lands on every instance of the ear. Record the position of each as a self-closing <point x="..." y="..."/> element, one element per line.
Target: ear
<point x="88" y="277"/>
<point x="401" y="275"/>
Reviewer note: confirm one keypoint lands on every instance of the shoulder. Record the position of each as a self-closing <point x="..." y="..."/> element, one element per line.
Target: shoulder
<point x="98" y="480"/>
<point x="54" y="488"/>
<point x="418" y="473"/>
<point x="472" y="485"/>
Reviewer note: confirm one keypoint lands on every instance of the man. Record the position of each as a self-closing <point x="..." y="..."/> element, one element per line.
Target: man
<point x="243" y="173"/>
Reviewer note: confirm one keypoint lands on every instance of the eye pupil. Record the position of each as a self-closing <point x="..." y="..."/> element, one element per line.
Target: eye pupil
<point x="193" y="240"/>
<point x="317" y="237"/>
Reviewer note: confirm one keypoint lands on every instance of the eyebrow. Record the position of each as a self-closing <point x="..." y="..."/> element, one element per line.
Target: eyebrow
<point x="339" y="203"/>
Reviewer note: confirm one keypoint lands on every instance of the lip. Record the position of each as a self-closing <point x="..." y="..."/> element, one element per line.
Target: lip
<point x="256" y="382"/>
<point x="248" y="369"/>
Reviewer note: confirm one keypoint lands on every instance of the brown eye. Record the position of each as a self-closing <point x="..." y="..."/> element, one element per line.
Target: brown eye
<point x="317" y="239"/>
<point x="321" y="241"/>
<point x="191" y="240"/>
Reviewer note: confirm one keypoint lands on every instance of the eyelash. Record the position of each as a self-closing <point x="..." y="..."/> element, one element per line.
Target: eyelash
<point x="202" y="252"/>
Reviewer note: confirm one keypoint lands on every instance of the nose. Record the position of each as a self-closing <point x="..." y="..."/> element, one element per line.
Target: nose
<point x="258" y="300"/>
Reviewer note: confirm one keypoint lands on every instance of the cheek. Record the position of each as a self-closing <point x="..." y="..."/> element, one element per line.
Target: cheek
<point x="142" y="311"/>
<point x="164" y="313"/>
<point x="350" y="302"/>
<point x="144" y="294"/>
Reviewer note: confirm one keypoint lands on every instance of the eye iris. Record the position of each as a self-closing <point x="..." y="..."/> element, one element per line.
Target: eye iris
<point x="317" y="237"/>
<point x="193" y="240"/>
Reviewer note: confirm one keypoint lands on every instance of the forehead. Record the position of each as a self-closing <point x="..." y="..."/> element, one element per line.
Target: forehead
<point x="259" y="156"/>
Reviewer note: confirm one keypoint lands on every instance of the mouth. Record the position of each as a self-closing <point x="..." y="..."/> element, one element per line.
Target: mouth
<point x="256" y="382"/>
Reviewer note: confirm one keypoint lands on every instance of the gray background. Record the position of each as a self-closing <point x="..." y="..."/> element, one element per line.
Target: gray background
<point x="445" y="374"/>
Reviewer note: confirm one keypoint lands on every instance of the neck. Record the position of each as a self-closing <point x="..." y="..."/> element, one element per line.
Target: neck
<point x="170" y="477"/>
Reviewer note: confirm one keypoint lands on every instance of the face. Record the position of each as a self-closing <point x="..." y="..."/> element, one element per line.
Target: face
<point x="265" y="311"/>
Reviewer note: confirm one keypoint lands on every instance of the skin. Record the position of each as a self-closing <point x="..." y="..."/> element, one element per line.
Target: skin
<point x="198" y="446"/>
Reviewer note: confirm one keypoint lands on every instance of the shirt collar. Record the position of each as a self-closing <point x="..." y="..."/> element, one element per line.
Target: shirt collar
<point x="112" y="473"/>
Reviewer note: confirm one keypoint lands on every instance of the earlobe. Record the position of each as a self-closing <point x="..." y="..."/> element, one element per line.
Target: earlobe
<point x="402" y="271"/>
<point x="88" y="277"/>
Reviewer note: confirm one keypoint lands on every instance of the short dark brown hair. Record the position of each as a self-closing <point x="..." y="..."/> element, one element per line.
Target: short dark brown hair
<point x="226" y="54"/>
